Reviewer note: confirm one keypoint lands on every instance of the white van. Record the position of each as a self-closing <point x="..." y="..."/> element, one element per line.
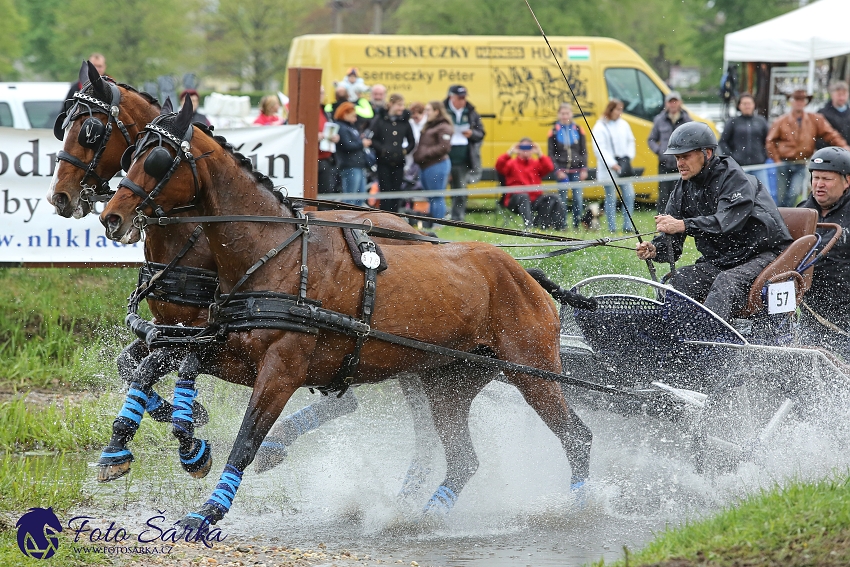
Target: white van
<point x="31" y="105"/>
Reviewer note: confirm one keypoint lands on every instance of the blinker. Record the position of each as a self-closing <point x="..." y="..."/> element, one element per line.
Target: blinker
<point x="91" y="133"/>
<point x="158" y="163"/>
<point x="127" y="158"/>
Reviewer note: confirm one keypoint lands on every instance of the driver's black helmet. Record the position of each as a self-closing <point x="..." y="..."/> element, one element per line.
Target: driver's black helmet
<point x="690" y="136"/>
<point x="831" y="159"/>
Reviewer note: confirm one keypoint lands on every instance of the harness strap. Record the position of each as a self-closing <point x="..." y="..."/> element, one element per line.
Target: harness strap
<point x="139" y="293"/>
<point x="257" y="265"/>
<point x="345" y="375"/>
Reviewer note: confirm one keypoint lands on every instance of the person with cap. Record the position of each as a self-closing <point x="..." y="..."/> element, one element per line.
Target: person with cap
<point x="196" y="103"/>
<point x="825" y="318"/>
<point x="663" y="125"/>
<point x="734" y="222"/>
<point x="353" y="84"/>
<point x="465" y="154"/>
<point x="791" y="140"/>
<point x="837" y="111"/>
<point x="525" y="164"/>
<point x="744" y="136"/>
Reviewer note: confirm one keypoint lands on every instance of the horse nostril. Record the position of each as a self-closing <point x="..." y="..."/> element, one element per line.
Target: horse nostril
<point x="60" y="200"/>
<point x="113" y="221"/>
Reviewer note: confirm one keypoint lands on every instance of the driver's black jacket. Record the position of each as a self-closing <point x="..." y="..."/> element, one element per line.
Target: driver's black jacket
<point x="830" y="291"/>
<point x="729" y="214"/>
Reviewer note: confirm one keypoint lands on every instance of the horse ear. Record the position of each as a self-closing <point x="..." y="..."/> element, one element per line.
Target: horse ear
<point x="184" y="118"/>
<point x="167" y="107"/>
<point x="100" y="88"/>
<point x="84" y="73"/>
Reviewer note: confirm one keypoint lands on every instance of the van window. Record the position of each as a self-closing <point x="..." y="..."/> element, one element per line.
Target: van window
<point x="6" y="115"/>
<point x="42" y="113"/>
<point x="640" y="96"/>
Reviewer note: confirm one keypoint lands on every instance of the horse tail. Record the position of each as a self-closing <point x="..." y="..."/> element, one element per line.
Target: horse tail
<point x="560" y="294"/>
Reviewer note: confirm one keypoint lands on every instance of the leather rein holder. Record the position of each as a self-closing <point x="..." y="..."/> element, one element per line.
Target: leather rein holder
<point x="89" y="105"/>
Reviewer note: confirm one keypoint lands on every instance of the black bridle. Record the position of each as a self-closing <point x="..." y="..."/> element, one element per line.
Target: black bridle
<point x="160" y="165"/>
<point x="94" y="135"/>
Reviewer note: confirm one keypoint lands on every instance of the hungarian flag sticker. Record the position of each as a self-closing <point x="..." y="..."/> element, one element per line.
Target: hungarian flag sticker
<point x="578" y="53"/>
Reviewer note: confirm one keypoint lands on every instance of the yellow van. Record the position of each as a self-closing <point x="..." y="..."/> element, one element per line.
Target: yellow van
<point x="513" y="82"/>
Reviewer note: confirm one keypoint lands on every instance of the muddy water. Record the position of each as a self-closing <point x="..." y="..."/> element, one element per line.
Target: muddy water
<point x="338" y="485"/>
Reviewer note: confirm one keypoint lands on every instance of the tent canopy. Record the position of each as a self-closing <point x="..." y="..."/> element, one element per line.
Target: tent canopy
<point x="816" y="31"/>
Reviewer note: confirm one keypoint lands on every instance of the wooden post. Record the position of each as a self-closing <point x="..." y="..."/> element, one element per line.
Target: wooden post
<point x="304" y="108"/>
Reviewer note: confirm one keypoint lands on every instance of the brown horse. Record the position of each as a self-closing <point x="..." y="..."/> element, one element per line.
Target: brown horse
<point x="471" y="297"/>
<point x="90" y="158"/>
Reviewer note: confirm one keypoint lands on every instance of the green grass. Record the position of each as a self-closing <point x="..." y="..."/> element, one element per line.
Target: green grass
<point x="795" y="525"/>
<point x="60" y="326"/>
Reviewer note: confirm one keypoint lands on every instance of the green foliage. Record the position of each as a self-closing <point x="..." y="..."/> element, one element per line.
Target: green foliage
<point x="141" y="39"/>
<point x="251" y="40"/>
<point x="12" y="24"/>
<point x="713" y="20"/>
<point x="795" y="525"/>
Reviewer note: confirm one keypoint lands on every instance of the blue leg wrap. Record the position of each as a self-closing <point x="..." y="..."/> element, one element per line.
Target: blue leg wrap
<point x="114" y="456"/>
<point x="154" y="402"/>
<point x="225" y="490"/>
<point x="134" y="405"/>
<point x="184" y="396"/>
<point x="304" y="420"/>
<point x="442" y="501"/>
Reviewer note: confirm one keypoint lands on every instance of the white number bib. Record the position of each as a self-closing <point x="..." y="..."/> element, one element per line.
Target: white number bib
<point x="781" y="297"/>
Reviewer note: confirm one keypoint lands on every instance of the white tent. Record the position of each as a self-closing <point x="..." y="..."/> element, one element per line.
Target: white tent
<point x="817" y="31"/>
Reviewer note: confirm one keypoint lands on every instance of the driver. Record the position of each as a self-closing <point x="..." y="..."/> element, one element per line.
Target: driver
<point x="825" y="316"/>
<point x="733" y="220"/>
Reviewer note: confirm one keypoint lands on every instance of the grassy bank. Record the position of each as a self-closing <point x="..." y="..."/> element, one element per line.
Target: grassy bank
<point x="791" y="526"/>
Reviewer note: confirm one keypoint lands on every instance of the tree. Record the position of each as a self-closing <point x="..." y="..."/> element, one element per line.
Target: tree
<point x="250" y="40"/>
<point x="141" y="39"/>
<point x="713" y="19"/>
<point x="11" y="45"/>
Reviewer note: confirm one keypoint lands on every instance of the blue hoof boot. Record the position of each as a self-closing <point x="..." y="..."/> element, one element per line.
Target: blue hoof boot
<point x="198" y="461"/>
<point x="271" y="454"/>
<point x="113" y="464"/>
<point x="441" y="502"/>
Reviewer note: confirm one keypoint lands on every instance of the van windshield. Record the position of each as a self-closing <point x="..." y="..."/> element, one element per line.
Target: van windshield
<point x="6" y="115"/>
<point x="640" y="96"/>
<point x="42" y="113"/>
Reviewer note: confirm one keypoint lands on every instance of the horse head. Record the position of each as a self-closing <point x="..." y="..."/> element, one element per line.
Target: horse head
<point x="96" y="125"/>
<point x="165" y="155"/>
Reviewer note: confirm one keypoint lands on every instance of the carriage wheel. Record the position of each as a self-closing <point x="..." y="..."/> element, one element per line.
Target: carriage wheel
<point x="743" y="412"/>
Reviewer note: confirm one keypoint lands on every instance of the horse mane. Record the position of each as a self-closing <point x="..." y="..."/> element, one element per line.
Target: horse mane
<point x="145" y="95"/>
<point x="243" y="161"/>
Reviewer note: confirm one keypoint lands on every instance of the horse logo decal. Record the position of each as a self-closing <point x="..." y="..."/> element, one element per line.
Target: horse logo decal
<point x="37" y="531"/>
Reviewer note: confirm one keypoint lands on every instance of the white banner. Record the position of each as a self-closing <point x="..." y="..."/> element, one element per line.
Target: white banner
<point x="31" y="231"/>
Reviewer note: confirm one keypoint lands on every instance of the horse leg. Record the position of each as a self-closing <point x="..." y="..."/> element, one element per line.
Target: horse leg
<point x="157" y="407"/>
<point x="451" y="390"/>
<point x="547" y="399"/>
<point x="115" y="459"/>
<point x="195" y="454"/>
<point x="423" y="424"/>
<point x="271" y="392"/>
<point x="273" y="449"/>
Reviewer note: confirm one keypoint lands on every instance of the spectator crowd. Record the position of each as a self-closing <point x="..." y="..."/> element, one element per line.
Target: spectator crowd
<point x="379" y="142"/>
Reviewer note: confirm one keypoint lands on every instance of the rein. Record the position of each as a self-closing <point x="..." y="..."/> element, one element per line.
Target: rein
<point x="91" y="131"/>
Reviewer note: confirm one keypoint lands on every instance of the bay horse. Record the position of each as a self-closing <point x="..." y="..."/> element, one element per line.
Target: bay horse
<point x="97" y="128"/>
<point x="470" y="296"/>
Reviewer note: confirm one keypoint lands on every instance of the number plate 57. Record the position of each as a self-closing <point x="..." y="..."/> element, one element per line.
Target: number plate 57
<point x="781" y="297"/>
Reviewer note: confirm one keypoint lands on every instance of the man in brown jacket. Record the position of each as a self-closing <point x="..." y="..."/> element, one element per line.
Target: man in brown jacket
<point x="792" y="138"/>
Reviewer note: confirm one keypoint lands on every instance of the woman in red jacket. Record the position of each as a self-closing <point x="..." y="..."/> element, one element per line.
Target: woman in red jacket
<point x="525" y="164"/>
